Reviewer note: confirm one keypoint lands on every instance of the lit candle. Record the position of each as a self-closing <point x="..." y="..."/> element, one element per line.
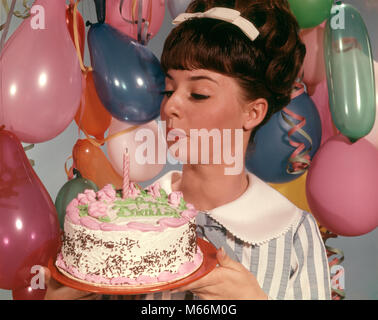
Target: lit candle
<point x="126" y="182"/>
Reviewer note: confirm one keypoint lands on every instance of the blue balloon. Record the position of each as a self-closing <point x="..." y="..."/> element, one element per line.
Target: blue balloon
<point x="128" y="77"/>
<point x="269" y="157"/>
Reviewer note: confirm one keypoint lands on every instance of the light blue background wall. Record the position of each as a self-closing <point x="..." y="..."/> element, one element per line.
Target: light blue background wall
<point x="361" y="253"/>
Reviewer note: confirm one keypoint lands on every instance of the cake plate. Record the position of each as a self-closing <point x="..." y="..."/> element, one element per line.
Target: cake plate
<point x="208" y="264"/>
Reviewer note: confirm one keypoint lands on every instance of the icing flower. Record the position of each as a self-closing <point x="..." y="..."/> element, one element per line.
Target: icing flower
<point x="107" y="193"/>
<point x="87" y="197"/>
<point x="154" y="190"/>
<point x="91" y="195"/>
<point x="174" y="198"/>
<point x="133" y="190"/>
<point x="97" y="209"/>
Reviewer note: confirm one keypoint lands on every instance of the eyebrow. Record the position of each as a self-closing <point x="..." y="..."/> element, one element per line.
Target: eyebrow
<point x="194" y="78"/>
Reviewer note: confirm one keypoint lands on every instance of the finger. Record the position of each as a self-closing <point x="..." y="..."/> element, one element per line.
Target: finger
<point x="91" y="296"/>
<point x="225" y="261"/>
<point x="209" y="280"/>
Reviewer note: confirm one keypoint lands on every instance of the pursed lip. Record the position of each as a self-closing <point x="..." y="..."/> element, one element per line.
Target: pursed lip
<point x="176" y="132"/>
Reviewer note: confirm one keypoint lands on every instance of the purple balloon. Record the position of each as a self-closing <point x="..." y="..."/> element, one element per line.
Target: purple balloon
<point x="29" y="227"/>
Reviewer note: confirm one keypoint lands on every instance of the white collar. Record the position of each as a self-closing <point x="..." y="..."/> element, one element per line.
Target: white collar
<point x="259" y="215"/>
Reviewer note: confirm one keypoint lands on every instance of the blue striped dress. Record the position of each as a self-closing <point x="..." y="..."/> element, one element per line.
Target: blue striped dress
<point x="279" y="243"/>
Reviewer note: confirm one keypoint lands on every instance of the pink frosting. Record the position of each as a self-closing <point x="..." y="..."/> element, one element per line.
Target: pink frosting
<point x="107" y="193"/>
<point x="174" y="198"/>
<point x="154" y="190"/>
<point x="90" y="223"/>
<point x="189" y="214"/>
<point x="98" y="208"/>
<point x="133" y="191"/>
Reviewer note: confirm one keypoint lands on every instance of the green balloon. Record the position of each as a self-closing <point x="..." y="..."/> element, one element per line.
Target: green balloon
<point x="311" y="13"/>
<point x="69" y="191"/>
<point x="350" y="73"/>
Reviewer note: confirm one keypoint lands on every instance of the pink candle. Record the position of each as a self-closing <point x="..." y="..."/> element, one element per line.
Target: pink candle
<point x="126" y="182"/>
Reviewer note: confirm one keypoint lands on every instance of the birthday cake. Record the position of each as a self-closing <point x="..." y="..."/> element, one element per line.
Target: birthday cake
<point x="145" y="238"/>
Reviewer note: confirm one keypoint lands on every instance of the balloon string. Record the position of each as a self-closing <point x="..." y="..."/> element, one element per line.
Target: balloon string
<point x="338" y="293"/>
<point x="27" y="148"/>
<point x="69" y="172"/>
<point x="76" y="40"/>
<point x="7" y="24"/>
<point x="100" y="142"/>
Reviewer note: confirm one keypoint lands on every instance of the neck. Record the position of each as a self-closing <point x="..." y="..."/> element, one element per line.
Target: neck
<point x="207" y="187"/>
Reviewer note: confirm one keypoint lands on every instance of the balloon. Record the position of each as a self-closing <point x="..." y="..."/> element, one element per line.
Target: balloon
<point x="116" y="146"/>
<point x="69" y="191"/>
<point x="295" y="191"/>
<point x="313" y="65"/>
<point x="93" y="164"/>
<point x="372" y="137"/>
<point x="80" y="27"/>
<point x="128" y="77"/>
<point x="28" y="293"/>
<point x="350" y="75"/>
<point x="40" y="76"/>
<point x="311" y="13"/>
<point x="342" y="186"/>
<point x="94" y="119"/>
<point x="320" y="99"/>
<point x="269" y="157"/>
<point x="153" y="11"/>
<point x="29" y="228"/>
<point x="176" y="7"/>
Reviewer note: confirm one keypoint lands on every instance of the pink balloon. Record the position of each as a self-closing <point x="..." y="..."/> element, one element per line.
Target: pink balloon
<point x="320" y="98"/>
<point x="341" y="186"/>
<point x="29" y="227"/>
<point x="373" y="135"/>
<point x="153" y="11"/>
<point x="313" y="65"/>
<point x="40" y="75"/>
<point x="28" y="293"/>
<point x="138" y="172"/>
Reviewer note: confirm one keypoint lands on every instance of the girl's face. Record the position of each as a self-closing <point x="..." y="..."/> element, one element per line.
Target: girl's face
<point x="201" y="99"/>
<point x="208" y="102"/>
<point x="204" y="99"/>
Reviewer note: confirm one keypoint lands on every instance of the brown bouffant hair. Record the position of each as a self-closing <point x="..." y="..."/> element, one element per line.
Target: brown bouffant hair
<point x="264" y="68"/>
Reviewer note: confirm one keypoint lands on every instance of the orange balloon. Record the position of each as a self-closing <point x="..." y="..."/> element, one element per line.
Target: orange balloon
<point x="93" y="164"/>
<point x="80" y="27"/>
<point x="94" y="119"/>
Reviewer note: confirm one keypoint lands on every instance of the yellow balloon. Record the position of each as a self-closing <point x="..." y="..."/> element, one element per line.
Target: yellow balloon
<point x="295" y="191"/>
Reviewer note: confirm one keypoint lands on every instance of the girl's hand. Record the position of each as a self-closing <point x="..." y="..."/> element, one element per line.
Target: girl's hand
<point x="56" y="291"/>
<point x="230" y="281"/>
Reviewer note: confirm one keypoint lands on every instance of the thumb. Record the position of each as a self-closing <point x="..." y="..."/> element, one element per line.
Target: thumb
<point x="225" y="261"/>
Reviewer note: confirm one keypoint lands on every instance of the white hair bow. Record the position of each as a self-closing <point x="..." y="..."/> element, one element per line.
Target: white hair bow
<point x="225" y="14"/>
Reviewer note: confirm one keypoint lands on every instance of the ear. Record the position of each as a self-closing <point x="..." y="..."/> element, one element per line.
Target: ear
<point x="254" y="113"/>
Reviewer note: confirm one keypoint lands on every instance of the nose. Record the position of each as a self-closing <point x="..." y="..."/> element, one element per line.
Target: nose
<point x="172" y="107"/>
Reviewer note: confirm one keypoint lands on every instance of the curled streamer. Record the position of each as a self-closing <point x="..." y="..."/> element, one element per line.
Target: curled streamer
<point x="338" y="293"/>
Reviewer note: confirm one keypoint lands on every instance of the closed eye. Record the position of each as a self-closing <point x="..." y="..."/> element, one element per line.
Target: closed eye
<point x="199" y="96"/>
<point x="168" y="94"/>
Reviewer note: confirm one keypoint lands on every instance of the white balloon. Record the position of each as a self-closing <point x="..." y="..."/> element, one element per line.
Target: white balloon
<point x="143" y="155"/>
